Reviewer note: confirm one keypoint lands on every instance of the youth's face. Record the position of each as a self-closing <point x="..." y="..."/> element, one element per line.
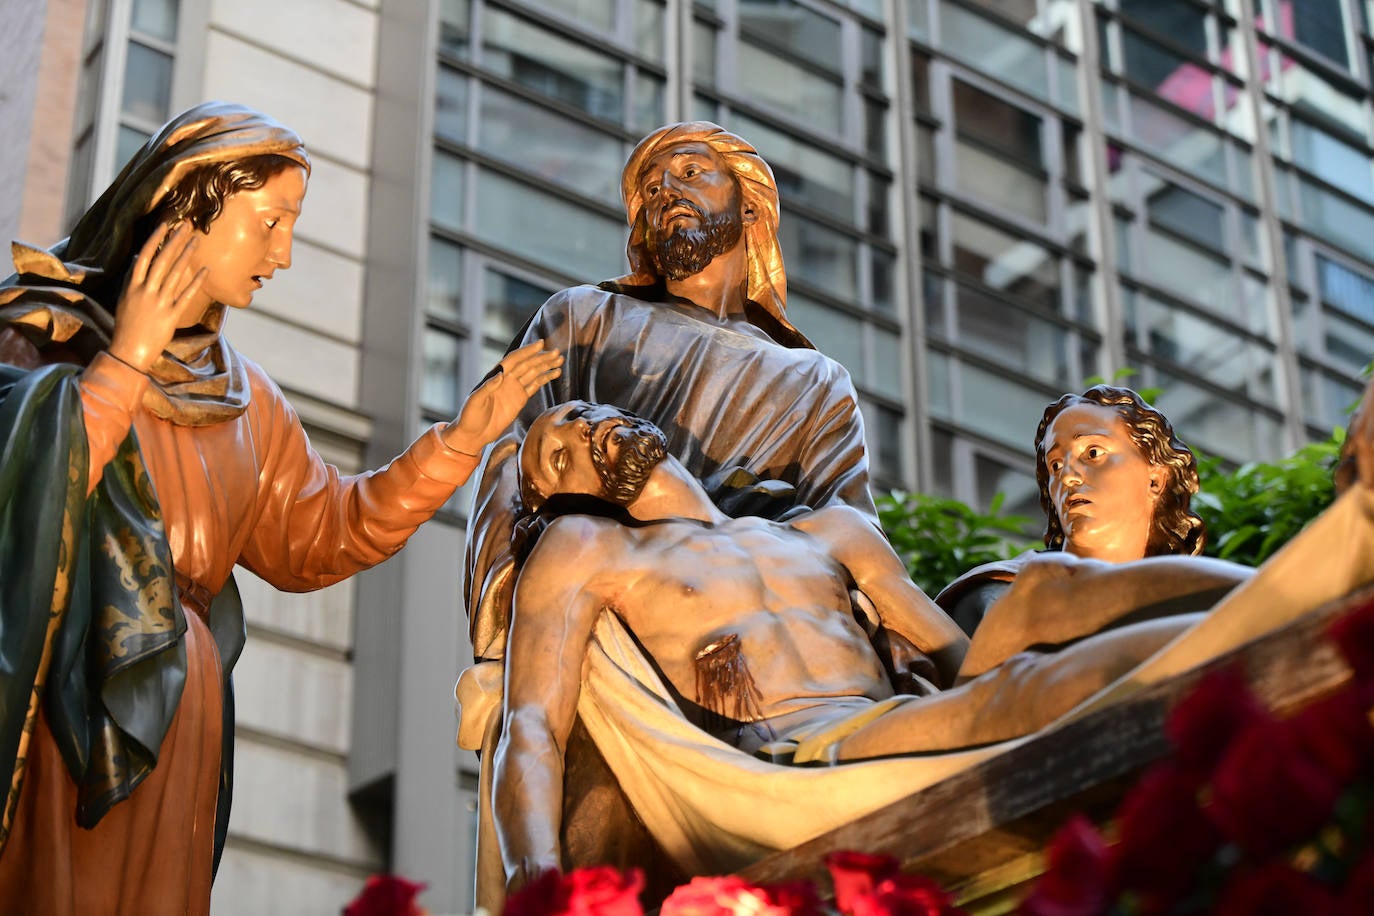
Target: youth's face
<point x="250" y="239"/>
<point x="1103" y="488"/>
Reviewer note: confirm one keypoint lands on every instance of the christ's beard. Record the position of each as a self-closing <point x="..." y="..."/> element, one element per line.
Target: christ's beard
<point x="640" y="446"/>
<point x="686" y="252"/>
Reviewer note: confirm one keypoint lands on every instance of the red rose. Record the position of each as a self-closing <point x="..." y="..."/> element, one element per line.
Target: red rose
<point x="905" y="895"/>
<point x="1079" y="877"/>
<point x="1267" y="794"/>
<point x="1353" y="633"/>
<point x="1359" y="887"/>
<point x="1165" y="836"/>
<point x="726" y="896"/>
<point x="797" y="898"/>
<point x="857" y="873"/>
<point x="1276" y="889"/>
<point x="1209" y="717"/>
<point x="386" y="895"/>
<point x="1336" y="735"/>
<point x="598" y="891"/>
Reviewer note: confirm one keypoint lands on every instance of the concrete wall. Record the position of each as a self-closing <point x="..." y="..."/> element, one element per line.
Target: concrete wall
<point x="39" y="64"/>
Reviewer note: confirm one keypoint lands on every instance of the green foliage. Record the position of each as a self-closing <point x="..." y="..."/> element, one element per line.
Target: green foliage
<point x="1253" y="511"/>
<point x="941" y="539"/>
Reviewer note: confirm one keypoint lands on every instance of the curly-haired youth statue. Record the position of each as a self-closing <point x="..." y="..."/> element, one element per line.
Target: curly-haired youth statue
<point x="1175" y="528"/>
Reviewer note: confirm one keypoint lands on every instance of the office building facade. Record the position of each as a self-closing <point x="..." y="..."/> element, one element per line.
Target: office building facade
<point x="985" y="203"/>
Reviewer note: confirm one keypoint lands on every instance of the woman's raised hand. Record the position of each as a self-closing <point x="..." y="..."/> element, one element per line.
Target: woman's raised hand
<point x="497" y="402"/>
<point x="161" y="295"/>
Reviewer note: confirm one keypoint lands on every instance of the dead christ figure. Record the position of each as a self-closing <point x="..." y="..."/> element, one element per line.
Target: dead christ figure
<point x="750" y="625"/>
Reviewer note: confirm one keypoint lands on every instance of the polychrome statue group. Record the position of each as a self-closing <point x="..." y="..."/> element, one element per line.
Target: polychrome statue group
<point x="674" y="569"/>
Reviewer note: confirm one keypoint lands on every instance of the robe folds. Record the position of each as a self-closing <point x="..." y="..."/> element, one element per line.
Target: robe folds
<point x="120" y="629"/>
<point x="726" y="394"/>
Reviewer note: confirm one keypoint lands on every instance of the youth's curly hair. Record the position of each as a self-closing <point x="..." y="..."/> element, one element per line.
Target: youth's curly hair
<point x="1175" y="527"/>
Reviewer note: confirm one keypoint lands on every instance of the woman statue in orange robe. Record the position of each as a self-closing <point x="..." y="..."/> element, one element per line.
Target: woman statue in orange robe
<point x="141" y="458"/>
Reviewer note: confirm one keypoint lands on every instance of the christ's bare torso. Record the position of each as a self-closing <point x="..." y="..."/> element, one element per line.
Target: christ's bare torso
<point x="682" y="586"/>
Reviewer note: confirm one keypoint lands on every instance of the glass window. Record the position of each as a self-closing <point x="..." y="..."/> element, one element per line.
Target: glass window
<point x="446" y="191"/>
<point x="994" y="49"/>
<point x="1171" y="75"/>
<point x="557" y="67"/>
<point x="451" y="105"/>
<point x="703" y="53"/>
<point x="599" y="14"/>
<point x="649" y="18"/>
<point x="1307" y="90"/>
<point x="1348" y="343"/>
<point x="445" y="288"/>
<point x="820" y="255"/>
<point x="648" y="102"/>
<point x="1020" y="491"/>
<point x="804" y="172"/>
<point x="791" y="26"/>
<point x="1327" y="400"/>
<point x="1182" y="21"/>
<point x="1000" y="408"/>
<point x="147" y="83"/>
<point x="917" y="19"/>
<point x="1005" y="262"/>
<point x="1218" y="425"/>
<point x="1346" y="289"/>
<point x="510" y="302"/>
<point x="1205" y="348"/>
<point x="882" y="270"/>
<point x="440" y="381"/>
<point x="1316" y="24"/>
<point x="871" y="63"/>
<point x="886" y="375"/>
<point x="779" y="82"/>
<point x="569" y="237"/>
<point x="997" y="181"/>
<point x="933" y="292"/>
<point x="1334" y="161"/>
<point x="453" y="27"/>
<point x="1337" y="219"/>
<point x="157" y="18"/>
<point x="549" y="145"/>
<point x="1188" y="214"/>
<point x="1005" y="127"/>
<point x="938" y="395"/>
<point x="885" y="430"/>
<point x="920" y="81"/>
<point x="1013" y="338"/>
<point x="837" y="334"/>
<point x="129" y="142"/>
<point x="1187" y="271"/>
<point x="1177" y="140"/>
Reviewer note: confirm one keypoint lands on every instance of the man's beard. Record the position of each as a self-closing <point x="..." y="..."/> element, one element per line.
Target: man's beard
<point x="624" y="470"/>
<point x="685" y="252"/>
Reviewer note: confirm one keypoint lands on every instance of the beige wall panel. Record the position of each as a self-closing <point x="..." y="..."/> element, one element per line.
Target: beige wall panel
<point x="254" y="882"/>
<point x="294" y="694"/>
<point x="297" y="359"/>
<point x="333" y="35"/>
<point x="288" y="798"/>
<point x="332" y="116"/>
<point x="324" y="617"/>
<point x="322" y="290"/>
<point x="335" y="211"/>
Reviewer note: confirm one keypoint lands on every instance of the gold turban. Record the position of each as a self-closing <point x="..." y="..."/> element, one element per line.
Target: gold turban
<point x="767" y="281"/>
